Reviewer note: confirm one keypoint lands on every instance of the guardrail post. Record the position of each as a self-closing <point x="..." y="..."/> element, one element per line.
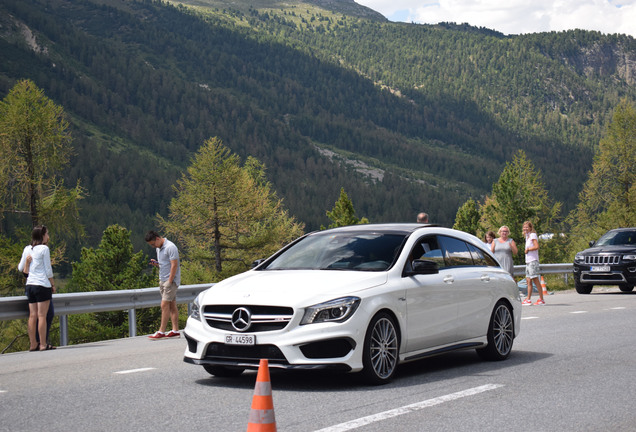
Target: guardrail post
<point x="132" y="323"/>
<point x="63" y="330"/>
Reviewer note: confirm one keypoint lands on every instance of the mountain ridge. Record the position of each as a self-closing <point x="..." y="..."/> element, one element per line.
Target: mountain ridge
<point x="437" y="109"/>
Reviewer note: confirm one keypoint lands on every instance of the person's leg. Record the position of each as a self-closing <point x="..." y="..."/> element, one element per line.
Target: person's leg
<point x="43" y="309"/>
<point x="49" y="321"/>
<point x="165" y="315"/>
<point x="174" y="315"/>
<point x="32" y="325"/>
<point x="537" y="282"/>
<point x="529" y="287"/>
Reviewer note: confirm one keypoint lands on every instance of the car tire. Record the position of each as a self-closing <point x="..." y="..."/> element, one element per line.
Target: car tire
<point x="582" y="288"/>
<point x="501" y="333"/>
<point x="381" y="350"/>
<point x="223" y="371"/>
<point x="626" y="287"/>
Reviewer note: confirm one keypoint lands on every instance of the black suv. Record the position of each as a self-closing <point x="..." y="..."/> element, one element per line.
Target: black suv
<point x="609" y="261"/>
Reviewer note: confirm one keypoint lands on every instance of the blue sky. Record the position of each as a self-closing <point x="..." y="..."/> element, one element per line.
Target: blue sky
<point x="516" y="16"/>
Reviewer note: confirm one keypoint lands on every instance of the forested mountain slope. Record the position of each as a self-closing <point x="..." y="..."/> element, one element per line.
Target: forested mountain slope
<point x="327" y="94"/>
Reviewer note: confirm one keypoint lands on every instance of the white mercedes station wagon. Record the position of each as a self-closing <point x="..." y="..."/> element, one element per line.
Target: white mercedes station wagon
<point x="361" y="298"/>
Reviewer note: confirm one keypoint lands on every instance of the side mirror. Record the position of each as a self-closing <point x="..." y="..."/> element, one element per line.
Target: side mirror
<point x="256" y="263"/>
<point x="424" y="267"/>
<point x="592" y="243"/>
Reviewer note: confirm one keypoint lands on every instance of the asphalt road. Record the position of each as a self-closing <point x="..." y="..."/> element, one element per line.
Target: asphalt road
<point x="572" y="369"/>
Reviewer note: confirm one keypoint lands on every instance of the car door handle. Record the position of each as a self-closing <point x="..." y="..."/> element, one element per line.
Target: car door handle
<point x="485" y="278"/>
<point x="449" y="279"/>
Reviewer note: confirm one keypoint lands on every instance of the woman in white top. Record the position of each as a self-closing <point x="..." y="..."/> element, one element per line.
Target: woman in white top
<point x="504" y="248"/>
<point x="39" y="286"/>
<point x="532" y="264"/>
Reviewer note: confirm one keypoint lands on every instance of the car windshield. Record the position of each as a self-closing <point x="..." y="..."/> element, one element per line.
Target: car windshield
<point x="613" y="238"/>
<point x="341" y="251"/>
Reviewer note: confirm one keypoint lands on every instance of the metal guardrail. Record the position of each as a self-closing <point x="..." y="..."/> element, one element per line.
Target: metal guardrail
<point x="566" y="268"/>
<point x="98" y="301"/>
<point x="103" y="301"/>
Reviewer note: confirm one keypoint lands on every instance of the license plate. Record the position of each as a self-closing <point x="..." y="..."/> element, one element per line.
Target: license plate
<point x="601" y="268"/>
<point x="239" y="339"/>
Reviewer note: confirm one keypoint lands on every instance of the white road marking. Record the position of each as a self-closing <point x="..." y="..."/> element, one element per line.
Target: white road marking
<point x="578" y="312"/>
<point x="363" y="421"/>
<point x="3" y="391"/>
<point x="525" y="318"/>
<point x="134" y="370"/>
<point x="618" y="308"/>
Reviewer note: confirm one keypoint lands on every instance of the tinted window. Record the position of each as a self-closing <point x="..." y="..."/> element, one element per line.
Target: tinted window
<point x="427" y="248"/>
<point x="481" y="258"/>
<point x="456" y="252"/>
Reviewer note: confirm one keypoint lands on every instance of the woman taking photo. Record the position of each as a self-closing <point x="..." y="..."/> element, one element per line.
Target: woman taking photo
<point x="39" y="286"/>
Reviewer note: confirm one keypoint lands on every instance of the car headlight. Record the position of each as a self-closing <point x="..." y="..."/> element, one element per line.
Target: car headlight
<point x="630" y="257"/>
<point x="196" y="309"/>
<point x="579" y="258"/>
<point x="337" y="310"/>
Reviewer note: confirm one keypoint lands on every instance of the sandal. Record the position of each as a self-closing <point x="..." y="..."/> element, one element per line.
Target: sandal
<point x="48" y="347"/>
<point x="37" y="348"/>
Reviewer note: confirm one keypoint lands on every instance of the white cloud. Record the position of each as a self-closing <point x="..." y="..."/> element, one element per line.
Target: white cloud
<point x="516" y="16"/>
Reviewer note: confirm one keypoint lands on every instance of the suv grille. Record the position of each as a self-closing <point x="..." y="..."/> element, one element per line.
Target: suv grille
<point x="262" y="318"/>
<point x="602" y="259"/>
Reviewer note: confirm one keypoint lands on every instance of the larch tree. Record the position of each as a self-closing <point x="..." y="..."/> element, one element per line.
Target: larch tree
<point x="225" y="215"/>
<point x="608" y="197"/>
<point x="519" y="195"/>
<point x="36" y="145"/>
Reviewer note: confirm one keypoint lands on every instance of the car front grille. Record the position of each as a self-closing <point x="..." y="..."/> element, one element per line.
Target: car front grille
<point x="602" y="259"/>
<point x="238" y="353"/>
<point x="262" y="318"/>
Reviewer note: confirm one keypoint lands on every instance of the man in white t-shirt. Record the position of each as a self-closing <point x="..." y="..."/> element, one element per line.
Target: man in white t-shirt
<point x="169" y="280"/>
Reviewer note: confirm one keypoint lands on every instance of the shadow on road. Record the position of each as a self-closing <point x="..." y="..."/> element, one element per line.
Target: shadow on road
<point x="434" y="369"/>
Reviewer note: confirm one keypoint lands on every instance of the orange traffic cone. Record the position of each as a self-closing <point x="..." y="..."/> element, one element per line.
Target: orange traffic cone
<point x="262" y="413"/>
<point x="544" y="287"/>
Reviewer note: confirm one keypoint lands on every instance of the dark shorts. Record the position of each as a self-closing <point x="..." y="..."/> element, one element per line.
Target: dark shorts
<point x="38" y="293"/>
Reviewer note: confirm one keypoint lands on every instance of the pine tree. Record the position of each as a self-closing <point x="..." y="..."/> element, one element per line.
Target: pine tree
<point x="343" y="213"/>
<point x="35" y="146"/>
<point x="519" y="195"/>
<point x="226" y="215"/>
<point x="467" y="218"/>
<point x="608" y="198"/>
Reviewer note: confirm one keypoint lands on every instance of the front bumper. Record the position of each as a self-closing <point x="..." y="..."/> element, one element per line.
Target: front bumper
<point x="617" y="275"/>
<point x="309" y="347"/>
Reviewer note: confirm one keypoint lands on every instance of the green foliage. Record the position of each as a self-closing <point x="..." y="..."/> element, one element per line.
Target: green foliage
<point x="111" y="266"/>
<point x="343" y="213"/>
<point x="35" y="146"/>
<point x="468" y="218"/>
<point x="608" y="198"/>
<point x="11" y="280"/>
<point x="226" y="215"/>
<point x="519" y="195"/>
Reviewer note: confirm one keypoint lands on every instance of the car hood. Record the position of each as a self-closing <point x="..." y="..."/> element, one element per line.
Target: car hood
<point x="291" y="287"/>
<point x="610" y="249"/>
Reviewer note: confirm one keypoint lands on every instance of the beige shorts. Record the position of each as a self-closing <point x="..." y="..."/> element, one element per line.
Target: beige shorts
<point x="168" y="291"/>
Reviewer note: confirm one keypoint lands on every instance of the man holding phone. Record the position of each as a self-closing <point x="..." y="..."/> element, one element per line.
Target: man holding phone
<point x="169" y="280"/>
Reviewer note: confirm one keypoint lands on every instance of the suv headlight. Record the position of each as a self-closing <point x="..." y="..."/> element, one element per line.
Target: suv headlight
<point x="579" y="257"/>
<point x="630" y="257"/>
<point x="338" y="310"/>
<point x="196" y="309"/>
